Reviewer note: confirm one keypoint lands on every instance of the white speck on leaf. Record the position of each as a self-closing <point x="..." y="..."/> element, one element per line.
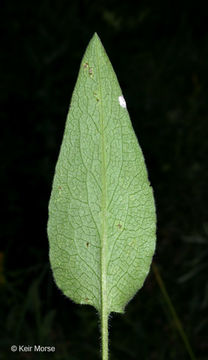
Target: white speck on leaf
<point x="122" y="101"/>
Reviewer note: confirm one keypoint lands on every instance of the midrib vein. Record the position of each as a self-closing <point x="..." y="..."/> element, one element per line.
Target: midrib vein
<point x="104" y="310"/>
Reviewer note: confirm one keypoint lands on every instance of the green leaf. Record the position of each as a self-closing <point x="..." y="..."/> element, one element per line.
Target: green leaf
<point x="101" y="224"/>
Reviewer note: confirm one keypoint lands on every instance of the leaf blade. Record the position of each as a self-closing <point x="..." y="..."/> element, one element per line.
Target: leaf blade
<point x="101" y="224"/>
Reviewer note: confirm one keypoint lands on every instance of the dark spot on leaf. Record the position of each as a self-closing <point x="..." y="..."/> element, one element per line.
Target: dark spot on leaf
<point x="86" y="299"/>
<point x="87" y="244"/>
<point x="96" y="96"/>
<point x="86" y="65"/>
<point x="90" y="71"/>
<point x="60" y="187"/>
<point x="119" y="226"/>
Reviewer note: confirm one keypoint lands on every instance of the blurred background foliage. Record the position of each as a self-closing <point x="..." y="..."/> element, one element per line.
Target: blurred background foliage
<point x="159" y="51"/>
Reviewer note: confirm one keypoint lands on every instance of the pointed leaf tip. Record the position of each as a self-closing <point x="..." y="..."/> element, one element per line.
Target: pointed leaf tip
<point x="96" y="35"/>
<point x="95" y="39"/>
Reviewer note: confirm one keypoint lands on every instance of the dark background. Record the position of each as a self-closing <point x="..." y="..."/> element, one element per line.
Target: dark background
<point x="159" y="51"/>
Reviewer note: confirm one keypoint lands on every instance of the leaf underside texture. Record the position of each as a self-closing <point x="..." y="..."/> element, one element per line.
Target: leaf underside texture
<point x="101" y="224"/>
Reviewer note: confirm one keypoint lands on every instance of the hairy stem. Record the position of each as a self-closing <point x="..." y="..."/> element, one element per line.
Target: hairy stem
<point x="104" y="333"/>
